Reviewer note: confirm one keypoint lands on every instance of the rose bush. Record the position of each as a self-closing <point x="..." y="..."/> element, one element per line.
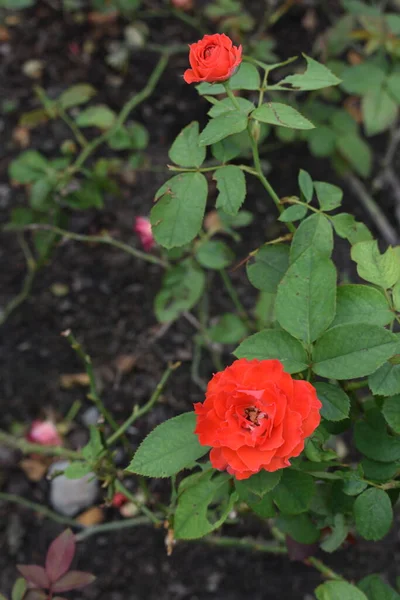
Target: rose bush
<point x="214" y="58"/>
<point x="255" y="417"/>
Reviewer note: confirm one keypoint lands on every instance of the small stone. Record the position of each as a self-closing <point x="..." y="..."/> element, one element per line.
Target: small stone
<point x="70" y="496"/>
<point x="33" y="68"/>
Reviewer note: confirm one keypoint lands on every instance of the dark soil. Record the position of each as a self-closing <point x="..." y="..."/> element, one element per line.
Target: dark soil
<point x="108" y="305"/>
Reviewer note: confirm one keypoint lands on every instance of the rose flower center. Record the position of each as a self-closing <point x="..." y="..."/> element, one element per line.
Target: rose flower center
<point x="208" y="51"/>
<point x="253" y="415"/>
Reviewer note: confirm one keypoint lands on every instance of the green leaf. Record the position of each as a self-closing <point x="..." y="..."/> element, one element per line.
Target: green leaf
<point x="89" y="195"/>
<point x="268" y="267"/>
<point x="192" y="518"/>
<point x="169" y="448"/>
<point x="385" y="381"/>
<point x="16" y="4"/>
<point x="96" y="116"/>
<point x="130" y="137"/>
<point x="361" y="304"/>
<point x="322" y="141"/>
<point x="315" y="77"/>
<point x="264" y="508"/>
<point x="306" y="297"/>
<point x="396" y="296"/>
<point x="283" y="115"/>
<point x="19" y="589"/>
<point x="214" y="254"/>
<point x="75" y="95"/>
<point x="230" y="329"/>
<point x="353" y="350"/>
<point x="299" y="527"/>
<point x="294" y="492"/>
<point x="77" y="469"/>
<point x="181" y="289"/>
<point x="376" y="589"/>
<point x="247" y="77"/>
<point x="231" y="184"/>
<point x="178" y="214"/>
<point x="373" y="514"/>
<point x="381" y="269"/>
<point x="371" y="438"/>
<point x="361" y="79"/>
<point x="379" y="471"/>
<point x="338" y="590"/>
<point x="338" y="535"/>
<point x="306" y="185"/>
<point x="393" y="86"/>
<point x="221" y="127"/>
<point x="293" y="213"/>
<point x="226" y="105"/>
<point x="379" y="111"/>
<point x="185" y="151"/>
<point x="39" y="194"/>
<point x="391" y="412"/>
<point x="335" y="402"/>
<point x="257" y="486"/>
<point x="347" y="227"/>
<point x="274" y="343"/>
<point x="357" y="153"/>
<point x="315" y="233"/>
<point x="329" y="196"/>
<point x="28" y="167"/>
<point x="94" y="447"/>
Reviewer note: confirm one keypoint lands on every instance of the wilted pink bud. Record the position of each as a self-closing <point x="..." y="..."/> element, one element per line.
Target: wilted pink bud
<point x="44" y="433"/>
<point x="143" y="228"/>
<point x="118" y="500"/>
<point x="183" y="4"/>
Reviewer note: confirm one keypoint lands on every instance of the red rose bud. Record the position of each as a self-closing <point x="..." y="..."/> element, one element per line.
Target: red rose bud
<point x="214" y="58"/>
<point x="185" y="5"/>
<point x="143" y="228"/>
<point x="255" y="416"/>
<point x="118" y="500"/>
<point x="44" y="433"/>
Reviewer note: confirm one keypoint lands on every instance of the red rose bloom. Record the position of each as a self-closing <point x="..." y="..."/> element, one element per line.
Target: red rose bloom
<point x="214" y="58"/>
<point x="255" y="416"/>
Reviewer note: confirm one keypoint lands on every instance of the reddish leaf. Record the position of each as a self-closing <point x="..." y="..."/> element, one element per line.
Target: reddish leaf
<point x="35" y="575"/>
<point x="36" y="595"/>
<point x="59" y="555"/>
<point x="73" y="580"/>
<point x="298" y="551"/>
<point x="59" y="598"/>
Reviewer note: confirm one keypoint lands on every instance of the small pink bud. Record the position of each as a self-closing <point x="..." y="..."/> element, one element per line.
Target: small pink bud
<point x="118" y="500"/>
<point x="44" y="433"/>
<point x="143" y="228"/>
<point x="73" y="47"/>
<point x="183" y="4"/>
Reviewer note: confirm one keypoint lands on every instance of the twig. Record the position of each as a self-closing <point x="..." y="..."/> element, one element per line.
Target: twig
<point x="112" y="526"/>
<point x="324" y="569"/>
<point x="93" y="395"/>
<point x="235" y="298"/>
<point x="140" y="411"/>
<point x="27" y="285"/>
<point x="39" y="508"/>
<point x="29" y="448"/>
<point x="119" y="486"/>
<point x="244" y="544"/>
<point x="380" y="221"/>
<point x="97" y="239"/>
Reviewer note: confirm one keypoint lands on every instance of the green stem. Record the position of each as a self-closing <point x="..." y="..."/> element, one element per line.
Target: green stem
<point x="39" y="508"/>
<point x="245" y="544"/>
<point x="355" y="385"/>
<point x="80" y="138"/>
<point x="119" y="486"/>
<point x="230" y="94"/>
<point x="207" y="169"/>
<point x="93" y="395"/>
<point x="30" y="448"/>
<point x="113" y="526"/>
<point x="123" y="115"/>
<point x="27" y="285"/>
<point x="139" y="412"/>
<point x="324" y="569"/>
<point x="235" y="298"/>
<point x="97" y="239"/>
<point x="264" y="180"/>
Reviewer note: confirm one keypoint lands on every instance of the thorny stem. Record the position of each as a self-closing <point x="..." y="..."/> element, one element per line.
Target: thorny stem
<point x="245" y="544"/>
<point x="119" y="486"/>
<point x="235" y="298"/>
<point x="112" y="526"/>
<point x="40" y="508"/>
<point x="140" y="411"/>
<point x="30" y="448"/>
<point x="93" y="395"/>
<point x="230" y="94"/>
<point x="97" y="239"/>
<point x="324" y="569"/>
<point x="27" y="285"/>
